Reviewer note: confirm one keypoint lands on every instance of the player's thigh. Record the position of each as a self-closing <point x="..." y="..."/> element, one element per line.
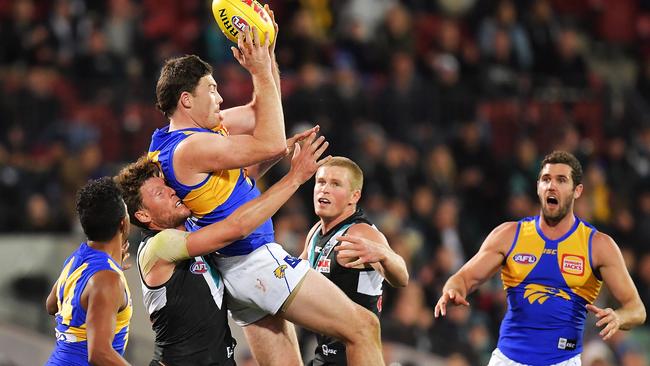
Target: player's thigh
<point x="321" y="306"/>
<point x="273" y="341"/>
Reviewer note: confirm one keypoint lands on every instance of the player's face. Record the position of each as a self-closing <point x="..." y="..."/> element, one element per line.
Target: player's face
<point x="162" y="205"/>
<point x="332" y="192"/>
<point x="556" y="192"/>
<point x="206" y="103"/>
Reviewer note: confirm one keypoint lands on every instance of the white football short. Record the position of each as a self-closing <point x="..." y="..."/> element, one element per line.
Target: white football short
<point x="260" y="282"/>
<point x="499" y="359"/>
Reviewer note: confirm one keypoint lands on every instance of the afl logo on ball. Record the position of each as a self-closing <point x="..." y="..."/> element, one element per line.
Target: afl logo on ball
<point x="524" y="258"/>
<point x="199" y="268"/>
<point x="239" y="23"/>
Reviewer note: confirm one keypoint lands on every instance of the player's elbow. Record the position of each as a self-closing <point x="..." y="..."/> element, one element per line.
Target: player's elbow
<point x="98" y="356"/>
<point x="279" y="149"/>
<point x="240" y="229"/>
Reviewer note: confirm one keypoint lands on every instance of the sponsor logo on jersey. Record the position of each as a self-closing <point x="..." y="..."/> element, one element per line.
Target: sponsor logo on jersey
<point x="566" y="344"/>
<point x="323" y="265"/>
<point x="328" y="351"/>
<point x="380" y="303"/>
<point x="540" y="293"/>
<point x="292" y="261"/>
<point x="279" y="272"/>
<point x="524" y="258"/>
<point x="199" y="267"/>
<point x="573" y="264"/>
<point x="239" y="23"/>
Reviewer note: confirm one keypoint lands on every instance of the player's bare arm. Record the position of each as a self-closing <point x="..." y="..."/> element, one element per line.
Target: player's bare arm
<point x="173" y="245"/>
<point x="482" y="266"/>
<point x="609" y="262"/>
<point x="104" y="295"/>
<point x="50" y="303"/>
<point x="258" y="170"/>
<point x="364" y="245"/>
<point x="241" y="120"/>
<point x="252" y="214"/>
<point x="207" y="152"/>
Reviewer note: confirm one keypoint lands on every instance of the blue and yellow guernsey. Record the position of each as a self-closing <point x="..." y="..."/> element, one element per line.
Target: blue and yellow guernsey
<point x="216" y="197"/>
<point x="71" y="340"/>
<point x="548" y="284"/>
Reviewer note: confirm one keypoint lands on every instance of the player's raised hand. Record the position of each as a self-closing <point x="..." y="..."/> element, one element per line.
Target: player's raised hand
<point x="607" y="317"/>
<point x="361" y="250"/>
<point x="452" y="296"/>
<point x="275" y="26"/>
<point x="252" y="55"/>
<point x="300" y="137"/>
<point x="304" y="162"/>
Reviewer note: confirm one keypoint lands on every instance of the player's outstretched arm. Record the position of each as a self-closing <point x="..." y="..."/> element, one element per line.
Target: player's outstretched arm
<point x="105" y="298"/>
<point x="364" y="244"/>
<point x="478" y="269"/>
<point x="206" y="152"/>
<point x="252" y="214"/>
<point x="241" y="120"/>
<point x="257" y="171"/>
<point x="608" y="260"/>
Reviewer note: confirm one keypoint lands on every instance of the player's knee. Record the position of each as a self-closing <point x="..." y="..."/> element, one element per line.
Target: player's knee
<point x="367" y="327"/>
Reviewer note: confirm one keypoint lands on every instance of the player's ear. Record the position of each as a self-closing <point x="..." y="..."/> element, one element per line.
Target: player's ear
<point x="185" y="99"/>
<point x="356" y="196"/>
<point x="142" y="216"/>
<point x="577" y="191"/>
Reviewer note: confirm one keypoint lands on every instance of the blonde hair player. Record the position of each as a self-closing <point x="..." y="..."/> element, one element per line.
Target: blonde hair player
<point x="346" y="248"/>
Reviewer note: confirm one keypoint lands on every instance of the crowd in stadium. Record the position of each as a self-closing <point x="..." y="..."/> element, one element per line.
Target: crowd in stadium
<point x="447" y="106"/>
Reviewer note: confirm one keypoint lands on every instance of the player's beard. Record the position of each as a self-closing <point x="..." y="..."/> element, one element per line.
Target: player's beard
<point x="553" y="219"/>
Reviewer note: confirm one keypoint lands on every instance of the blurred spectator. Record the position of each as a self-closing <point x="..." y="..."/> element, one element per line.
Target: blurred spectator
<point x="504" y="24"/>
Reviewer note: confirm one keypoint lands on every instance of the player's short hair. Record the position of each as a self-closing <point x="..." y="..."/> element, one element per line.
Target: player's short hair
<point x="356" y="174"/>
<point x="563" y="157"/>
<point x="100" y="208"/>
<point x="178" y="75"/>
<point x="130" y="179"/>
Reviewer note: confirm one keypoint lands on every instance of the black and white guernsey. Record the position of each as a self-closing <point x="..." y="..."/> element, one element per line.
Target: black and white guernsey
<point x="188" y="314"/>
<point x="363" y="286"/>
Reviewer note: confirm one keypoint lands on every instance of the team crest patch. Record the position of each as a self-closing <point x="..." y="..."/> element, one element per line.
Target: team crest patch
<point x="279" y="272"/>
<point x="540" y="293"/>
<point x="573" y="264"/>
<point x="524" y="258"/>
<point x="323" y="265"/>
<point x="292" y="261"/>
<point x="199" y="267"/>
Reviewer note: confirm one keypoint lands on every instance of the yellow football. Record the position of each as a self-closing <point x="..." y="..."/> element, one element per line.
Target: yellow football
<point x="234" y="16"/>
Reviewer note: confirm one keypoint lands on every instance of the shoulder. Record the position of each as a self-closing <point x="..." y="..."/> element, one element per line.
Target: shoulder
<point x="603" y="248"/>
<point x="505" y="230"/>
<point x="502" y="237"/>
<point x="160" y="244"/>
<point x="367" y="231"/>
<point x="104" y="280"/>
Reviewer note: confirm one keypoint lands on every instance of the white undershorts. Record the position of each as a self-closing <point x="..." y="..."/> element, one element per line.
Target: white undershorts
<point x="499" y="359"/>
<point x="260" y="282"/>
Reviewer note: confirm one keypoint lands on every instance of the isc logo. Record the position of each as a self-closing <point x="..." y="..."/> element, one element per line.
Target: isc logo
<point x="199" y="268"/>
<point x="524" y="258"/>
<point x="239" y="23"/>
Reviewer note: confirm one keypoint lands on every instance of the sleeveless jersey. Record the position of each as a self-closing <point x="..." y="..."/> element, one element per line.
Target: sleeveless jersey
<point x="71" y="340"/>
<point x="363" y="286"/>
<point x="548" y="283"/>
<point x="188" y="314"/>
<point x="216" y="197"/>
